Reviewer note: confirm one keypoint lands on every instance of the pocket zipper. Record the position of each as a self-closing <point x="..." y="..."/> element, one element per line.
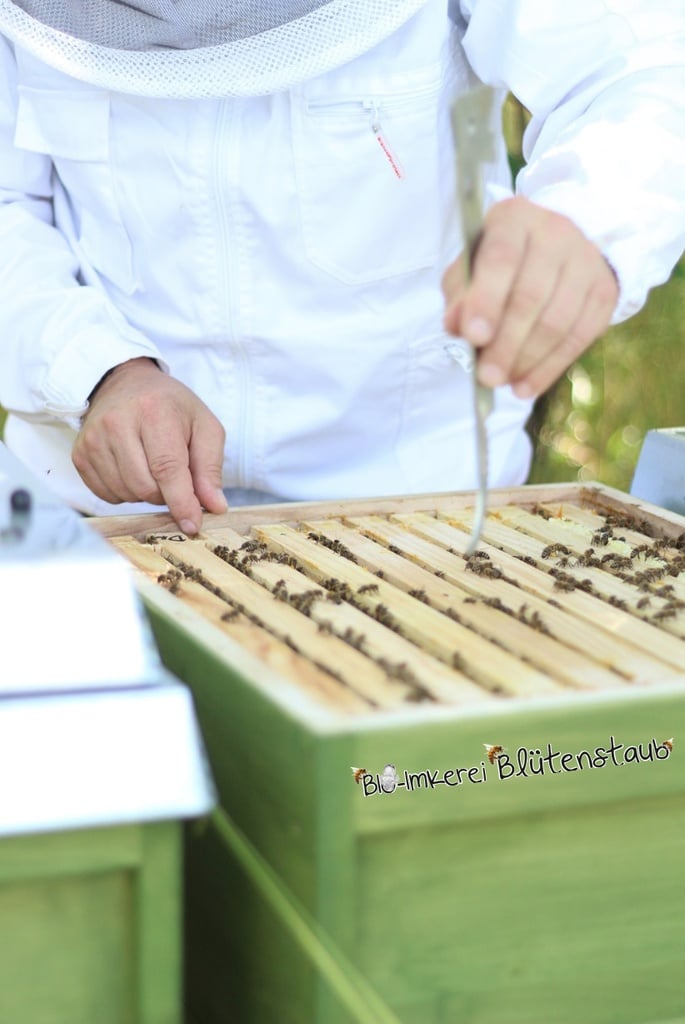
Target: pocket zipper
<point x="384" y="142"/>
<point x="373" y="109"/>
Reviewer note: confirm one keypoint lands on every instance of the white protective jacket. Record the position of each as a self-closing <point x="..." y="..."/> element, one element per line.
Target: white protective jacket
<point x="285" y="265"/>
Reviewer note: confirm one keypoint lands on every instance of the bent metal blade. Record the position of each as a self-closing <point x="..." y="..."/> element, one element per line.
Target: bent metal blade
<point x="474" y="143"/>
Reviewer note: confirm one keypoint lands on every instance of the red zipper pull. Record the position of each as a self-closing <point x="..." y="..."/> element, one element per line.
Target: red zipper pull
<point x="384" y="142"/>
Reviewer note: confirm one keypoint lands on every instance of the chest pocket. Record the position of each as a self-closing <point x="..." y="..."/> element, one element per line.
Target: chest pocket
<point x="72" y="127"/>
<point x="367" y="169"/>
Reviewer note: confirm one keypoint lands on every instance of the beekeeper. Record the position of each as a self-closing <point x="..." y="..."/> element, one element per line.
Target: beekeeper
<point x="224" y="227"/>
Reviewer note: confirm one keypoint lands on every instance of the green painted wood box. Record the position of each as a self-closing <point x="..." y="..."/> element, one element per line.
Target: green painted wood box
<point x="100" y="760"/>
<point x="544" y="886"/>
<point x="90" y="926"/>
<point x="94" y="787"/>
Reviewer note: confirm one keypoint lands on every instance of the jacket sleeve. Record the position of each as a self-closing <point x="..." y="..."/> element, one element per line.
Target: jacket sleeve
<point x="57" y="336"/>
<point x="604" y="81"/>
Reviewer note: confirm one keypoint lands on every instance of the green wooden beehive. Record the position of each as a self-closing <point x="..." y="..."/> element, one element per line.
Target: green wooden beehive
<point x="90" y="926"/>
<point x="100" y="759"/>
<point x="95" y="785"/>
<point x="540" y="888"/>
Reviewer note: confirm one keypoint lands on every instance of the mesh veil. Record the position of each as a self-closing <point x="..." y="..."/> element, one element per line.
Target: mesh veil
<point x="200" y="48"/>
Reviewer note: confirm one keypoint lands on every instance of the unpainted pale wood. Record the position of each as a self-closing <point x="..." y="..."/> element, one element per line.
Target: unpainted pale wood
<point x="434" y="632"/>
<point x="506" y="550"/>
<point x="444" y="684"/>
<point x="603" y="584"/>
<point x="581" y="654"/>
<point x="453" y="594"/>
<point x="593" y="656"/>
<point x="242" y="518"/>
<point x="250" y="636"/>
<point x="336" y="656"/>
<point x="565" y="531"/>
<point x="593" y="520"/>
<point x="663" y="521"/>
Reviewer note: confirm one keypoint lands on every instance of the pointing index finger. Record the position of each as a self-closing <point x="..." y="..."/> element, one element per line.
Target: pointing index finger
<point x="166" y="449"/>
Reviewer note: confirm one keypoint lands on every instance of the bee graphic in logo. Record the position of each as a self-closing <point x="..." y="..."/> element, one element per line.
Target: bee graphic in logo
<point x="358" y="774"/>
<point x="493" y="751"/>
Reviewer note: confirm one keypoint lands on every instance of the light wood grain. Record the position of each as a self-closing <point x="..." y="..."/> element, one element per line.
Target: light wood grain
<point x="442" y="683"/>
<point x="446" y="639"/>
<point x="241" y="518"/>
<point x="505" y="549"/>
<point x="327" y="651"/>
<point x="580" y="653"/>
<point x="513" y="540"/>
<point x="417" y="620"/>
<point x="579" y="540"/>
<point x="251" y="637"/>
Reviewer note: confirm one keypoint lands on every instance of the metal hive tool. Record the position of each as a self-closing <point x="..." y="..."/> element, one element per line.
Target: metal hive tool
<point x="474" y="144"/>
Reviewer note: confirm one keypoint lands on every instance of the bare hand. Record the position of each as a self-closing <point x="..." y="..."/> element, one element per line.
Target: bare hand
<point x="147" y="437"/>
<point x="539" y="295"/>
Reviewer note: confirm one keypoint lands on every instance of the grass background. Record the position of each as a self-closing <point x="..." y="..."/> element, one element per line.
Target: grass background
<point x="591" y="424"/>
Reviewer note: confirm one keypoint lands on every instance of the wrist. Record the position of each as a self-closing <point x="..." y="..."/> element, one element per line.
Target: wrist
<point x="120" y="368"/>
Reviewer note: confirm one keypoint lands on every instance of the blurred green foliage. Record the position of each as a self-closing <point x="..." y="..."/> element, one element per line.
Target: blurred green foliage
<point x="591" y="424"/>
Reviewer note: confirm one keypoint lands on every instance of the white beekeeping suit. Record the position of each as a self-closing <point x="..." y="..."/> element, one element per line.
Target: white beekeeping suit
<point x="261" y="197"/>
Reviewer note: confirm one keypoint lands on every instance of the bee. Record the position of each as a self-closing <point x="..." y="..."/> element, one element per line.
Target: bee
<point x="358" y="774"/>
<point x="494" y="750"/>
<point x="171" y="580"/>
<point x="668" y="744"/>
<point x="554" y="549"/>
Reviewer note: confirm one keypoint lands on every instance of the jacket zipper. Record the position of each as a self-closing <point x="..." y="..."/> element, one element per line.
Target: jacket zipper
<point x="226" y="175"/>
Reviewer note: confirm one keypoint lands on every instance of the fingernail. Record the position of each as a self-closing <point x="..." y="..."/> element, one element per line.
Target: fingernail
<point x="490" y="376"/>
<point x="221" y="500"/>
<point x="188" y="526"/>
<point x="478" y="331"/>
